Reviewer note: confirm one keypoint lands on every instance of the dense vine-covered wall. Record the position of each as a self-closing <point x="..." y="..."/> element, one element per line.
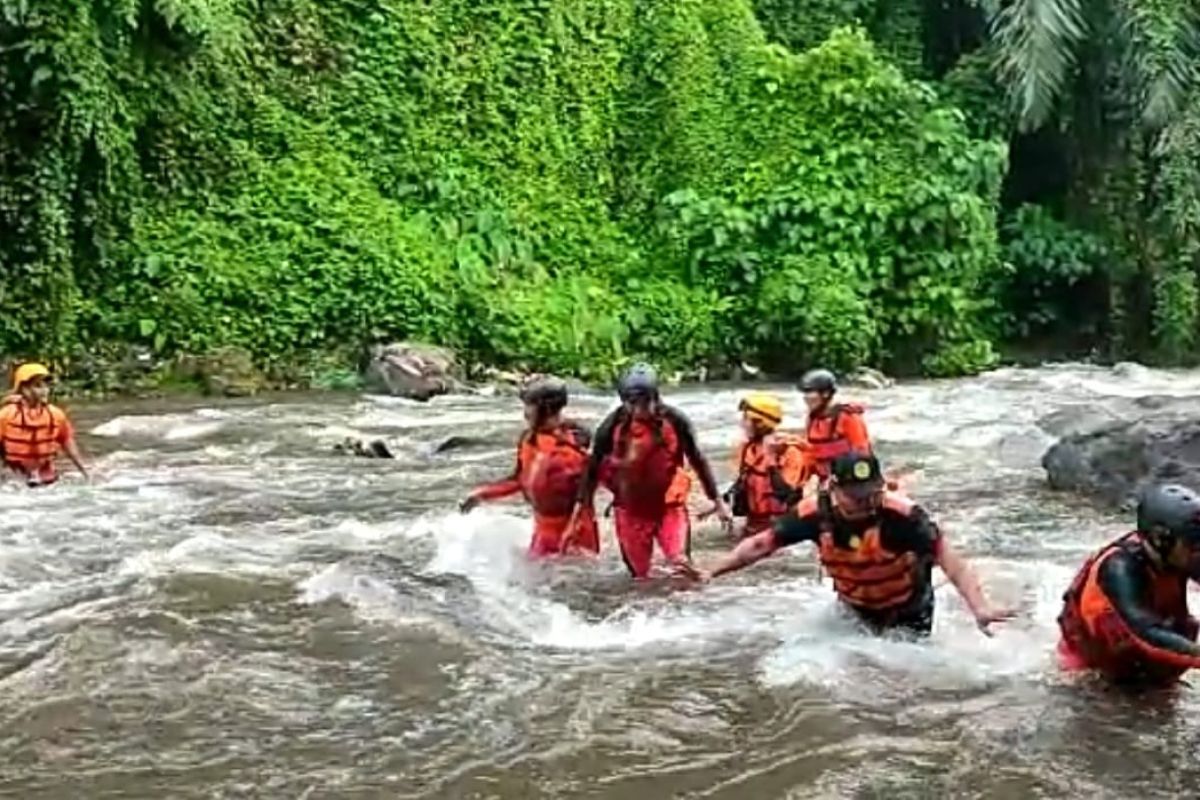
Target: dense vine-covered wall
<point x="560" y="184"/>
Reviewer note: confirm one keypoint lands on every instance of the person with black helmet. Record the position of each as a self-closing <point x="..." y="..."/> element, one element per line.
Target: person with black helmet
<point x="878" y="546"/>
<point x="834" y="429"/>
<point x="639" y="455"/>
<point x="1126" y="614"/>
<point x="551" y="460"/>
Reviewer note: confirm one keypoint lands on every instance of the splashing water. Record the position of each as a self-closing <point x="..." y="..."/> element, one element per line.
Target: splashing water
<point x="234" y="611"/>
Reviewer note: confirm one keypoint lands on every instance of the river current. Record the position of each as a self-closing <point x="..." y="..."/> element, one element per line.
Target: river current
<point x="232" y="610"/>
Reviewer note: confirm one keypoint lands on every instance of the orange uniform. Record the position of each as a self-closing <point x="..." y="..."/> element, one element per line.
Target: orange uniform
<point x="768" y="480"/>
<point x="641" y="460"/>
<point x="839" y="430"/>
<point x="31" y="439"/>
<point x="1127" y="618"/>
<point x="883" y="572"/>
<point x="549" y="469"/>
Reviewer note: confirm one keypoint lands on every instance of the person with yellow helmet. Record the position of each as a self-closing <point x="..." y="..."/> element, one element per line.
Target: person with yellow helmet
<point x="33" y="431"/>
<point x="769" y="465"/>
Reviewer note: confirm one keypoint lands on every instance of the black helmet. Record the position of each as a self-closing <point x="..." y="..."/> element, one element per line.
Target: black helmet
<point x="1172" y="509"/>
<point x="818" y="380"/>
<point x="640" y="380"/>
<point x="548" y="394"/>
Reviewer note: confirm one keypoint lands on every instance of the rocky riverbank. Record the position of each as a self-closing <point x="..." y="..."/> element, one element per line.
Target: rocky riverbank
<point x="411" y="370"/>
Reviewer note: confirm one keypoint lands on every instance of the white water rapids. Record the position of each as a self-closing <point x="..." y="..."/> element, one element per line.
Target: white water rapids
<point x="232" y="610"/>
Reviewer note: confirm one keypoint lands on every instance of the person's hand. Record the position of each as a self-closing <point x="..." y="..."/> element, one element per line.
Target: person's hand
<point x="721" y="509"/>
<point x="468" y="503"/>
<point x="684" y="568"/>
<point x="987" y="616"/>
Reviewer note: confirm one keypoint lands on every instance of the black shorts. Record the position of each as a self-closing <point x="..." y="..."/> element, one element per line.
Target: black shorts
<point x="915" y="618"/>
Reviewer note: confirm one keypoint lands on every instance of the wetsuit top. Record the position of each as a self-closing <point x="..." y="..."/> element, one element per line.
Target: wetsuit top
<point x="900" y="529"/>
<point x="684" y="434"/>
<point x="1129" y="582"/>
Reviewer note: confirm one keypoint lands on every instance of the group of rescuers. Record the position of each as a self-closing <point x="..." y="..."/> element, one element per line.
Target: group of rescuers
<point x="1125" y="614"/>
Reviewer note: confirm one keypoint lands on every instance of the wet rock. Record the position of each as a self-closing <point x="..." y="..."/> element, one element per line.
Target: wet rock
<point x="1077" y="419"/>
<point x="719" y="369"/>
<point x="412" y="371"/>
<point x="460" y="443"/>
<point x="748" y="372"/>
<point x="227" y="372"/>
<point x="376" y="448"/>
<point x="867" y="378"/>
<point x="1113" y="460"/>
<point x="1130" y="370"/>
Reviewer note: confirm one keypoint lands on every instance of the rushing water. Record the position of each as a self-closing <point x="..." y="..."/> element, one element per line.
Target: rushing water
<point x="232" y="610"/>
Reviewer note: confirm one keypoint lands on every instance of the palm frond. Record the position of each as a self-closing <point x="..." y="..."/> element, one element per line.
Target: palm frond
<point x="1036" y="51"/>
<point x="1162" y="39"/>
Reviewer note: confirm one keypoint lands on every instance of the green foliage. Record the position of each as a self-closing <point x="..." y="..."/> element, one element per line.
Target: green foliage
<point x="813" y="314"/>
<point x="972" y="87"/>
<point x="896" y="25"/>
<point x="1176" y="315"/>
<point x="848" y="164"/>
<point x="562" y="185"/>
<point x="1051" y="265"/>
<point x="344" y="266"/>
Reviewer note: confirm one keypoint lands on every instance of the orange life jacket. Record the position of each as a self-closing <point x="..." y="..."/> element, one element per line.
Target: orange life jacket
<point x="551" y="465"/>
<point x="1097" y="632"/>
<point x="31" y="439"/>
<point x="753" y="468"/>
<point x="645" y="469"/>
<point x="826" y="437"/>
<point x="866" y="575"/>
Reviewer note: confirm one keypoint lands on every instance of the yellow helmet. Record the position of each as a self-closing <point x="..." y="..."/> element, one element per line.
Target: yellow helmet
<point x="27" y="372"/>
<point x="763" y="407"/>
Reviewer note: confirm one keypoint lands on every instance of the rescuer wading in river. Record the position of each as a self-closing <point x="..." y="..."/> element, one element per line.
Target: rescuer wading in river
<point x="878" y="547"/>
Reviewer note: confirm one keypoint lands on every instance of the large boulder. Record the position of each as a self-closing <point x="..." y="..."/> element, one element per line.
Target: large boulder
<point x="413" y="371"/>
<point x="867" y="378"/>
<point x="1154" y="439"/>
<point x="225" y="372"/>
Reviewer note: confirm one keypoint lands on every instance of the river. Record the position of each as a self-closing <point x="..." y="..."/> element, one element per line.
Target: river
<point x="233" y="611"/>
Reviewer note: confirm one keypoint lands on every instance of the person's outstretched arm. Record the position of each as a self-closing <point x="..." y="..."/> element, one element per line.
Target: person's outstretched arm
<point x="788" y="530"/>
<point x="66" y="438"/>
<point x="966" y="582"/>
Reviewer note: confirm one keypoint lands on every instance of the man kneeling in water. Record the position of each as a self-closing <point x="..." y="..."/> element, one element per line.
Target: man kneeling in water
<point x="552" y="456"/>
<point x="877" y="545"/>
<point x="1126" y="613"/>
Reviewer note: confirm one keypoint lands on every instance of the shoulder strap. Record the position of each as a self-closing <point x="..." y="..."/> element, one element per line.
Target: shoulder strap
<point x="1075" y="590"/>
<point x="825" y="508"/>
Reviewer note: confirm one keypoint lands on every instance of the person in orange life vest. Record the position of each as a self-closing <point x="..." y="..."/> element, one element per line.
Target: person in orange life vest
<point x="552" y="455"/>
<point x="33" y="431"/>
<point x="639" y="454"/>
<point x="833" y="429"/>
<point x="1126" y="614"/>
<point x="770" y="467"/>
<point x="878" y="547"/>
